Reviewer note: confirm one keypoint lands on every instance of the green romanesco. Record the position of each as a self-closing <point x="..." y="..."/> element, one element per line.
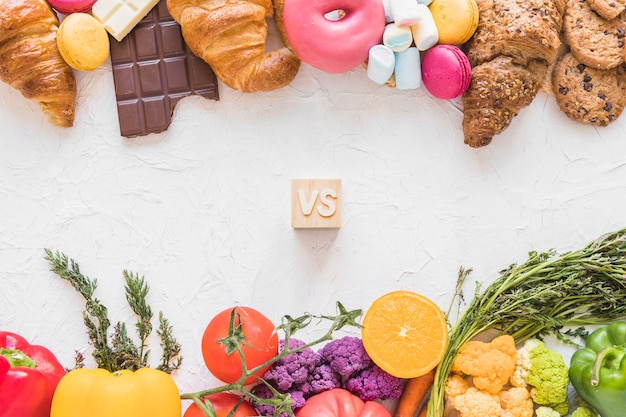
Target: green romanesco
<point x="561" y="408"/>
<point x="582" y="408"/>
<point x="546" y="372"/>
<point x="584" y="412"/>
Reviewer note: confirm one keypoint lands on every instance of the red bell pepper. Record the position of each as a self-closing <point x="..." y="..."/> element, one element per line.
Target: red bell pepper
<point x="4" y="368"/>
<point x="29" y="375"/>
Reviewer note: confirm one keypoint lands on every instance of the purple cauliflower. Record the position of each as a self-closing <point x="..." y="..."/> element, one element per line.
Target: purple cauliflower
<point x="323" y="378"/>
<point x="345" y="356"/>
<point x="341" y="363"/>
<point x="293" y="370"/>
<point x="264" y="392"/>
<point x="373" y="383"/>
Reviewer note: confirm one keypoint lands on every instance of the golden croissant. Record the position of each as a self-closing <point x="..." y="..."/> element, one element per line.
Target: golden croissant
<point x="231" y="36"/>
<point x="30" y="60"/>
<point x="514" y="45"/>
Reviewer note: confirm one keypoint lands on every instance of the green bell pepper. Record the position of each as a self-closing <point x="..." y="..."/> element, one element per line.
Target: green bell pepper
<point x="598" y="371"/>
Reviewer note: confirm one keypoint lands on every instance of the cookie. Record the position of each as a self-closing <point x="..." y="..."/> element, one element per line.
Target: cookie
<point x="608" y="9"/>
<point x="588" y="95"/>
<point x="594" y="40"/>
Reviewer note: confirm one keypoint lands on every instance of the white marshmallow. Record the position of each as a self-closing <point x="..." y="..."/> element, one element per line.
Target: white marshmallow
<point x="404" y="12"/>
<point x="388" y="14"/>
<point x="380" y="64"/>
<point x="425" y="33"/>
<point x="408" y="69"/>
<point x="397" y="38"/>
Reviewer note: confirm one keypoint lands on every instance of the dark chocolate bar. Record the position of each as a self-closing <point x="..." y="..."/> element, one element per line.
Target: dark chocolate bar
<point x="152" y="70"/>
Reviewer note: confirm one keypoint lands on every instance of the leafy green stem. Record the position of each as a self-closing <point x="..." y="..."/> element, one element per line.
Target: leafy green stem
<point x="118" y="351"/>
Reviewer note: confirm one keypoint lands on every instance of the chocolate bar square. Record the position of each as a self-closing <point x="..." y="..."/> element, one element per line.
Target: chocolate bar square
<point x="152" y="70"/>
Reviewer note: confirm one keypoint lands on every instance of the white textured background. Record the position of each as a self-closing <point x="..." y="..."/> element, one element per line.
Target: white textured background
<point x="203" y="210"/>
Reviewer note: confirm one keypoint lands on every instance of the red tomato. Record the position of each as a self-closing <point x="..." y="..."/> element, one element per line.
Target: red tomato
<point x="260" y="346"/>
<point x="339" y="402"/>
<point x="223" y="403"/>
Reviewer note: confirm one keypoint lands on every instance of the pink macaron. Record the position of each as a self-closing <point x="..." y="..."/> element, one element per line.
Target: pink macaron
<point x="71" y="6"/>
<point x="446" y="71"/>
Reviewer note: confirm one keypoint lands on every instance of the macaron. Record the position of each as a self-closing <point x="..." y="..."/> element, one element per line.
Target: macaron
<point x="71" y="6"/>
<point x="446" y="71"/>
<point x="456" y="20"/>
<point x="83" y="42"/>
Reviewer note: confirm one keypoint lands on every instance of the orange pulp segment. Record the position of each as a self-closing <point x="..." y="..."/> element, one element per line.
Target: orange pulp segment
<point x="405" y="333"/>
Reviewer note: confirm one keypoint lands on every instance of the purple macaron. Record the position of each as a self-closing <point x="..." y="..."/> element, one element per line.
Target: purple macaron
<point x="446" y="71"/>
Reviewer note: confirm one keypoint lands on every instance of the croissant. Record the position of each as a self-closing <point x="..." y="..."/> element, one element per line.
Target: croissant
<point x="498" y="91"/>
<point x="30" y="61"/>
<point x="231" y="36"/>
<point x="514" y="45"/>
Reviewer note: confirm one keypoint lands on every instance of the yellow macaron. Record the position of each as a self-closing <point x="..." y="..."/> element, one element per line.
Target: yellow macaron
<point x="456" y="20"/>
<point x="83" y="42"/>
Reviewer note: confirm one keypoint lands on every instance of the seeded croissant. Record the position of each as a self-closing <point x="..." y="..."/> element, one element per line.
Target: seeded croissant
<point x="30" y="61"/>
<point x="231" y="36"/>
<point x="514" y="45"/>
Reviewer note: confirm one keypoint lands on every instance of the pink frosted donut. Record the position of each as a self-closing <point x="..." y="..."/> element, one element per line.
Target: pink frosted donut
<point x="333" y="46"/>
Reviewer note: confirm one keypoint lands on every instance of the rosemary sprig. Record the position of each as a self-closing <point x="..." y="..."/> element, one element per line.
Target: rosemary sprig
<point x="542" y="296"/>
<point x="125" y="354"/>
<point x="95" y="316"/>
<point x="170" y="358"/>
<point x="136" y="293"/>
<point x="289" y="326"/>
<point x="116" y="350"/>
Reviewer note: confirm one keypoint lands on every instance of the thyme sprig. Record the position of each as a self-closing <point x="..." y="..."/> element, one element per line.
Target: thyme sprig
<point x="289" y="325"/>
<point x="544" y="295"/>
<point x="116" y="350"/>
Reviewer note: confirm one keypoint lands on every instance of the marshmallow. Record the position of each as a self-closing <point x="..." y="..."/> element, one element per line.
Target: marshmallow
<point x="380" y="64"/>
<point x="404" y="12"/>
<point x="408" y="69"/>
<point x="425" y="33"/>
<point x="397" y="38"/>
<point x="388" y="14"/>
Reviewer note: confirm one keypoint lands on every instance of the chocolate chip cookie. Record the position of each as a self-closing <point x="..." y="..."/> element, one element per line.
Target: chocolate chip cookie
<point x="589" y="95"/>
<point x="594" y="40"/>
<point x="608" y="9"/>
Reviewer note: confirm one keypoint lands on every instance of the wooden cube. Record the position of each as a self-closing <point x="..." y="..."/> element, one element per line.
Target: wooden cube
<point x="315" y="203"/>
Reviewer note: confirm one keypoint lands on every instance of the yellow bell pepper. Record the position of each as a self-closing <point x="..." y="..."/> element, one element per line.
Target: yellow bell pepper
<point x="146" y="392"/>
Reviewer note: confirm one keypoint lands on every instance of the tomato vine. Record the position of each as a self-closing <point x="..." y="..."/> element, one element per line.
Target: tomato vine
<point x="289" y="325"/>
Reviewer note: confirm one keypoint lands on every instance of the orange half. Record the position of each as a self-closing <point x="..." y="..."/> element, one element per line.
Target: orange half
<point x="405" y="333"/>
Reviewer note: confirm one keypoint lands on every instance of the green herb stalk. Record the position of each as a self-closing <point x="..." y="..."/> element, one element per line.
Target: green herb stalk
<point x="235" y="341"/>
<point x="117" y="351"/>
<point x="545" y="295"/>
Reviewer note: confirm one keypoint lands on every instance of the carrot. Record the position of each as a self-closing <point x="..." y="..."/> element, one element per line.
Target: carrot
<point x="414" y="392"/>
<point x="423" y="411"/>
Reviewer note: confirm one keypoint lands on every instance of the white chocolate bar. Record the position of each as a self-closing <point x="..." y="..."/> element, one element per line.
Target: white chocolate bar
<point x="119" y="17"/>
